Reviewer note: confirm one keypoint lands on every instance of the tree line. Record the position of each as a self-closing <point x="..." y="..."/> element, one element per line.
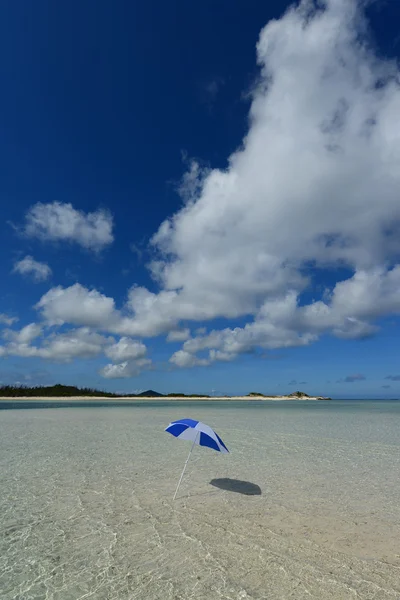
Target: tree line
<point x="58" y="390"/>
<point x="68" y="391"/>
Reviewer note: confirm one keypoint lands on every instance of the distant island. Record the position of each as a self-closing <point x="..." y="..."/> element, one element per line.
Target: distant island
<point x="293" y="396"/>
<point x="73" y="392"/>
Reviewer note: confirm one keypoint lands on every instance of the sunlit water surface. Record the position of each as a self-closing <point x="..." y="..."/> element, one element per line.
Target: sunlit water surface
<point x="86" y="506"/>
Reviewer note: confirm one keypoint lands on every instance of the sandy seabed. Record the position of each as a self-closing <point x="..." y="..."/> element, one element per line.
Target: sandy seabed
<point x="306" y="505"/>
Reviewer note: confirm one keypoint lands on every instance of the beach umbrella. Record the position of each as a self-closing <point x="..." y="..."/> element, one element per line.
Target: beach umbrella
<point x="197" y="433"/>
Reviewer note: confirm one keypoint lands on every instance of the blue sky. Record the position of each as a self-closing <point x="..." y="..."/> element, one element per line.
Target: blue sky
<point x="201" y="197"/>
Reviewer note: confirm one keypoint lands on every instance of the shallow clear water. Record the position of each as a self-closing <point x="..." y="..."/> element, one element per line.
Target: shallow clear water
<point x="86" y="506"/>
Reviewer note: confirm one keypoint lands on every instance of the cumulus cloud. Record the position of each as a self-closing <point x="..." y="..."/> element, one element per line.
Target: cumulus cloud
<point x="78" y="343"/>
<point x="282" y="323"/>
<point x="353" y="302"/>
<point x="61" y="222"/>
<point x="201" y="330"/>
<point x="128" y="356"/>
<point x="324" y="111"/>
<point x="126" y="349"/>
<point x="185" y="359"/>
<point x="126" y="369"/>
<point x="6" y="320"/>
<point x="145" y="314"/>
<point x="314" y="185"/>
<point x="78" y="306"/>
<point x="56" y="347"/>
<point x="25" y="335"/>
<point x="221" y="355"/>
<point x="119" y="371"/>
<point x="39" y="271"/>
<point x="193" y="180"/>
<point x="129" y="359"/>
<point x="178" y="335"/>
<point x="267" y="331"/>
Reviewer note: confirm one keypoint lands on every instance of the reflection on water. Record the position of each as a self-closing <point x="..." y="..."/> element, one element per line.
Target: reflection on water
<point x="86" y="506"/>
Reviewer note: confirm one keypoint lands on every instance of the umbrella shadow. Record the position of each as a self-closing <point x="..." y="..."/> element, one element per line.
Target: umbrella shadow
<point x="238" y="486"/>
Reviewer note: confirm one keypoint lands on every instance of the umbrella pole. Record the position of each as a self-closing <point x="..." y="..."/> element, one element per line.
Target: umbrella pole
<point x="184" y="468"/>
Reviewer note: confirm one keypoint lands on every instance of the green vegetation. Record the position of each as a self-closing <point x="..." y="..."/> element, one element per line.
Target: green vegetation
<point x="52" y="390"/>
<point x="68" y="391"/>
<point x="293" y="395"/>
<point x="299" y="395"/>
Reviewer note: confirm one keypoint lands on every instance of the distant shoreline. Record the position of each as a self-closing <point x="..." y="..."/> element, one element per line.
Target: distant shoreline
<point x="153" y="399"/>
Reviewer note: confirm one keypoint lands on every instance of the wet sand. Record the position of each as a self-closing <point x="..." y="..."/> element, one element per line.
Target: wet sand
<point x="305" y="505"/>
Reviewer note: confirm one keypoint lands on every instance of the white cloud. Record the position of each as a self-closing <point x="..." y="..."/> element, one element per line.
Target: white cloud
<point x="178" y="335"/>
<point x="57" y="347"/>
<point x="29" y="266"/>
<point x="59" y="221"/>
<point x="78" y="306"/>
<point x="6" y="320"/>
<point x="119" y="371"/>
<point x="254" y="226"/>
<point x="76" y="343"/>
<point x="25" y="335"/>
<point x="315" y="182"/>
<point x="80" y="343"/>
<point x="185" y="359"/>
<point x="221" y="356"/>
<point x="126" y="349"/>
<point x="368" y="293"/>
<point x="352" y="304"/>
<point x="192" y="181"/>
<point x="227" y="343"/>
<point x="129" y="359"/>
<point x="125" y="369"/>
<point x="145" y="314"/>
<point x="322" y="146"/>
<point x="282" y="323"/>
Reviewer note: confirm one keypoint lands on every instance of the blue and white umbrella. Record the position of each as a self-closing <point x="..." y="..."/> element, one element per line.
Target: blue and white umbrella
<point x="197" y="432"/>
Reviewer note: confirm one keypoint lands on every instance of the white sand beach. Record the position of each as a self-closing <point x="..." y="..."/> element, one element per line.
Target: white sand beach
<point x="86" y="509"/>
<point x="154" y="398"/>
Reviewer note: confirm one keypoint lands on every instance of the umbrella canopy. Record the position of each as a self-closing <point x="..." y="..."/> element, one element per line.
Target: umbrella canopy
<point x="197" y="432"/>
